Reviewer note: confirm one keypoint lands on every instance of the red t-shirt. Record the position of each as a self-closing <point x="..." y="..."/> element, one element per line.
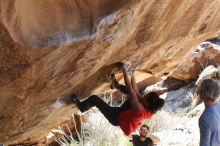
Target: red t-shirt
<point x="131" y="119"/>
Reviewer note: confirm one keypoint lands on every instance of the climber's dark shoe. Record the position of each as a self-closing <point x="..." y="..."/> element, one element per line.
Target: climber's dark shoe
<point x="75" y="99"/>
<point x="113" y="80"/>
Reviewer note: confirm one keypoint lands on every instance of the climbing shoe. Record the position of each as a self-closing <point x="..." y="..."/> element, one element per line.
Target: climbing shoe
<point x="113" y="81"/>
<point x="75" y="99"/>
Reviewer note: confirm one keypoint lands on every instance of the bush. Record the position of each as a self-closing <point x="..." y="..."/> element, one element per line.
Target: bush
<point x="97" y="131"/>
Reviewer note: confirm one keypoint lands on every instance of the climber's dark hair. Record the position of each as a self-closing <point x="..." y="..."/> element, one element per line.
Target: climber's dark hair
<point x="144" y="125"/>
<point x="153" y="102"/>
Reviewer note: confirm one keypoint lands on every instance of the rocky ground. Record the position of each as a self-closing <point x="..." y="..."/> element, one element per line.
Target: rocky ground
<point x="182" y="125"/>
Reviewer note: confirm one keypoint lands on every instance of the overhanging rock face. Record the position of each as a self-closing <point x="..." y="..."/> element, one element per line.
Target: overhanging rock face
<point x="52" y="48"/>
<point x="39" y="23"/>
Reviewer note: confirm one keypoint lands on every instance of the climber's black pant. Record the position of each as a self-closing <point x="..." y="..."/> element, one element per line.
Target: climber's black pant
<point x="111" y="113"/>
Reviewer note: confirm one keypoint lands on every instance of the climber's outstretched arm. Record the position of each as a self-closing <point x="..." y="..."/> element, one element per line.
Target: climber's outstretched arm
<point x="136" y="104"/>
<point x="133" y="82"/>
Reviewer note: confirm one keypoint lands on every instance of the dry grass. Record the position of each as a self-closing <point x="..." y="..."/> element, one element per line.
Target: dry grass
<point x="194" y="98"/>
<point x="97" y="131"/>
<point x="162" y="121"/>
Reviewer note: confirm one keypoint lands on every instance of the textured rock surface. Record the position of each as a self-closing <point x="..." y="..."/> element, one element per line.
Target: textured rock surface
<point x="52" y="48"/>
<point x="205" y="54"/>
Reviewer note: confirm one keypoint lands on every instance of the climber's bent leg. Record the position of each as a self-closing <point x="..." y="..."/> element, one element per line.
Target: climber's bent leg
<point x="111" y="113"/>
<point x="115" y="84"/>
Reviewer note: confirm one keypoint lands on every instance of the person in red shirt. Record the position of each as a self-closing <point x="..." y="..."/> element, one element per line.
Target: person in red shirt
<point x="132" y="112"/>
